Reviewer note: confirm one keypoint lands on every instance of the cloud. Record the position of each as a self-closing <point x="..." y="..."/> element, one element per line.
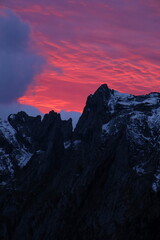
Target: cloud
<point x="89" y="42"/>
<point x="74" y="115"/>
<point x="13" y="108"/>
<point x="18" y="64"/>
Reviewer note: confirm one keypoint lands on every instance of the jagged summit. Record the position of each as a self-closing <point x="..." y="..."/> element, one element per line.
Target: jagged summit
<point x="100" y="181"/>
<point x="107" y="104"/>
<point x="115" y="100"/>
<point x="103" y="88"/>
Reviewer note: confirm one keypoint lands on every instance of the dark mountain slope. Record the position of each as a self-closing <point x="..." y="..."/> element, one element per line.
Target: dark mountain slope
<point x="99" y="182"/>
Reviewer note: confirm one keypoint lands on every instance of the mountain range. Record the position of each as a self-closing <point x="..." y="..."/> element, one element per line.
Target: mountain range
<point x="100" y="181"/>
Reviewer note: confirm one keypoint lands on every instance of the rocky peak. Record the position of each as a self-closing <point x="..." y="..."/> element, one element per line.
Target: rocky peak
<point x="27" y="128"/>
<point x="53" y="128"/>
<point x="23" y="137"/>
<point x="95" y="113"/>
<point x="101" y="181"/>
<point x="106" y="104"/>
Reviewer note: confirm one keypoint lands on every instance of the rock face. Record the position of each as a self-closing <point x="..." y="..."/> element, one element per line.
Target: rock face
<point x="98" y="182"/>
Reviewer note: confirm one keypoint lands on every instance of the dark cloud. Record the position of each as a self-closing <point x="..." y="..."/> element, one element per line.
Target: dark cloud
<point x="13" y="108"/>
<point x="74" y="115"/>
<point x="18" y="64"/>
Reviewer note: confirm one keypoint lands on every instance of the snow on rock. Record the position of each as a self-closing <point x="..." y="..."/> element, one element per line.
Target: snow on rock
<point x="140" y="117"/>
<point x="67" y="144"/>
<point x="12" y="116"/>
<point x="23" y="158"/>
<point x="130" y="101"/>
<point x="110" y="128"/>
<point x="140" y="169"/>
<point x="136" y="127"/>
<point x="5" y="163"/>
<point x="122" y="96"/>
<point x="75" y="144"/>
<point x="17" y="153"/>
<point x="106" y="128"/>
<point x="154" y="118"/>
<point x="7" y="131"/>
<point x="156" y="183"/>
<point x="112" y="103"/>
<point x="119" y="98"/>
<point x="121" y="105"/>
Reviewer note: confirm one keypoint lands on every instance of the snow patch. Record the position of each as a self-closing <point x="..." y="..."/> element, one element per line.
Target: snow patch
<point x="156" y="183"/>
<point x="154" y="119"/>
<point x="121" y="98"/>
<point x="23" y="158"/>
<point x="111" y="104"/>
<point x="139" y="169"/>
<point x="12" y="116"/>
<point x="106" y="128"/>
<point x="124" y="96"/>
<point x="8" y="131"/>
<point x="67" y="144"/>
<point x="5" y="163"/>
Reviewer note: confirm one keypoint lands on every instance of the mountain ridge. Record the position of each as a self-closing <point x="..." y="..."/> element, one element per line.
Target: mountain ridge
<point x="98" y="181"/>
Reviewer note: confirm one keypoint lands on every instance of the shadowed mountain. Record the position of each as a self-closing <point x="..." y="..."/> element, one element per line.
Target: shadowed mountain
<point x="98" y="182"/>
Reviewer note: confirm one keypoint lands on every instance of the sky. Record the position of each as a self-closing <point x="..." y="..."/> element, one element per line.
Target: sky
<point x="53" y="54"/>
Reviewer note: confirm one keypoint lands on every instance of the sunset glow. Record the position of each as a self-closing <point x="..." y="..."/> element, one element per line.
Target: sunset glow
<point x="87" y="43"/>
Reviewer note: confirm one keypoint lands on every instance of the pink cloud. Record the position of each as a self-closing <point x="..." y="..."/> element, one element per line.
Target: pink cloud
<point x="88" y="43"/>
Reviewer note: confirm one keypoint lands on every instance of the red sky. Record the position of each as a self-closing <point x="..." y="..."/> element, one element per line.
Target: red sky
<point x="90" y="42"/>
